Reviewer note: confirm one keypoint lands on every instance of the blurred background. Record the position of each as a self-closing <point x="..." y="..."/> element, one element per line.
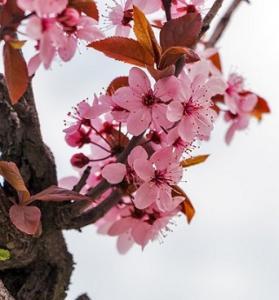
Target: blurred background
<point x="231" y="249"/>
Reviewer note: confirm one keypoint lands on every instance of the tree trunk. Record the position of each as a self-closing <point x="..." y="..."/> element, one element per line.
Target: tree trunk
<point x="39" y="267"/>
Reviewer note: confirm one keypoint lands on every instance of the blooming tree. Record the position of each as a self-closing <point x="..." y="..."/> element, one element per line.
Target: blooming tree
<point x="141" y="133"/>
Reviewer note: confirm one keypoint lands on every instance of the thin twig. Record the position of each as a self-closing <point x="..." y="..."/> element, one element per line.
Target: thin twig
<point x="223" y="23"/>
<point x="96" y="213"/>
<point x="210" y="16"/>
<point x="69" y="213"/>
<point x="78" y="187"/>
<point x="167" y="8"/>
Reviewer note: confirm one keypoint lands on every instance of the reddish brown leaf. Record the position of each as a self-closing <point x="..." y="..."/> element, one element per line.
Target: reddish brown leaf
<point x="124" y="49"/>
<point x="116" y="84"/>
<point x="12" y="175"/>
<point x="183" y="31"/>
<point x="158" y="74"/>
<point x="88" y="7"/>
<point x="26" y="218"/>
<point x="194" y="161"/>
<point x="172" y="54"/>
<point x="187" y="208"/>
<point x="261" y="108"/>
<point x="16" y="73"/>
<point x="10" y="13"/>
<point x="216" y="60"/>
<point x="57" y="194"/>
<point x="145" y="34"/>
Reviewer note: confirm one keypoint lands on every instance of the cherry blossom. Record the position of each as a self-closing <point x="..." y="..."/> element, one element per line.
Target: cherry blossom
<point x="43" y="7"/>
<point x="192" y="108"/>
<point x="158" y="175"/>
<point x="182" y="7"/>
<point x="114" y="173"/>
<point x="147" y="106"/>
<point x="241" y="118"/>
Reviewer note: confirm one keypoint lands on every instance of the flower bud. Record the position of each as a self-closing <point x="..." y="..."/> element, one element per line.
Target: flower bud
<point x="69" y="17"/>
<point x="79" y="160"/>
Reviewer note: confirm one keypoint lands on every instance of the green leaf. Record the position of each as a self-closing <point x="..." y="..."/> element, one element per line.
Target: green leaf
<point x="4" y="254"/>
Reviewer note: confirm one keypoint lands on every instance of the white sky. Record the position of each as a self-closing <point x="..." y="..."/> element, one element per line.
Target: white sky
<point x="231" y="250"/>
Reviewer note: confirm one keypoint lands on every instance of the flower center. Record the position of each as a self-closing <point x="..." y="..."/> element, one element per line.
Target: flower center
<point x="160" y="177"/>
<point x="149" y="99"/>
<point x="127" y="17"/>
<point x="190" y="107"/>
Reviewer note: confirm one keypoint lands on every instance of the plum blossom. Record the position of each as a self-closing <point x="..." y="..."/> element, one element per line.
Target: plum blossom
<point x="158" y="174"/>
<point x="235" y="86"/>
<point x="147" y="106"/>
<point x="120" y="17"/>
<point x="57" y="30"/>
<point x="121" y="14"/>
<point x="43" y="7"/>
<point x="182" y="7"/>
<point x="140" y="226"/>
<point x="114" y="173"/>
<point x="192" y="108"/>
<point x="240" y="119"/>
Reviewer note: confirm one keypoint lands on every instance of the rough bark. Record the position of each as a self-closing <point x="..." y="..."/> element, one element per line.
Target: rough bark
<point x="39" y="268"/>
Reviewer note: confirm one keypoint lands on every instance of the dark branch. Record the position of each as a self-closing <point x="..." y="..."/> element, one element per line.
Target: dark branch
<point x="223" y="23"/>
<point x="82" y="182"/>
<point x="96" y="213"/>
<point x="167" y="8"/>
<point x="210" y="16"/>
<point x="68" y="213"/>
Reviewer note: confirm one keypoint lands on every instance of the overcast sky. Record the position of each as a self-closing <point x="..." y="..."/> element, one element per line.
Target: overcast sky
<point x="231" y="250"/>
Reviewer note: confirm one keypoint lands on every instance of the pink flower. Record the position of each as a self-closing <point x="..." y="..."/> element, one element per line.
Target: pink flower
<point x="114" y="173"/>
<point x="3" y="2"/>
<point x="148" y="6"/>
<point x="182" y="7"/>
<point x="139" y="226"/>
<point x="235" y="86"/>
<point x="158" y="175"/>
<point x="59" y="35"/>
<point x="147" y="106"/>
<point x="240" y="119"/>
<point x="120" y="17"/>
<point x="43" y="7"/>
<point x="192" y="108"/>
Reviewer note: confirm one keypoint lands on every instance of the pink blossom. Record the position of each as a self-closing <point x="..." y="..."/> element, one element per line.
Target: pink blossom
<point x="3" y="2"/>
<point x="43" y="7"/>
<point x="114" y="173"/>
<point x="120" y="17"/>
<point x="240" y="119"/>
<point x="192" y="108"/>
<point x="158" y="175"/>
<point x="235" y="86"/>
<point x="148" y="6"/>
<point x="58" y="35"/>
<point x="139" y="226"/>
<point x="147" y="106"/>
<point x="182" y="7"/>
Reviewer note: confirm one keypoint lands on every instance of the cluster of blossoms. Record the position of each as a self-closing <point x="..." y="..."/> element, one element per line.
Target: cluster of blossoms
<point x="56" y="27"/>
<point x="160" y="121"/>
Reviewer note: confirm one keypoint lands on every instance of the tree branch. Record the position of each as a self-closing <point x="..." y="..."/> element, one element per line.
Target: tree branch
<point x="223" y="23"/>
<point x="96" y="213"/>
<point x="67" y="214"/>
<point x="167" y="8"/>
<point x="210" y="16"/>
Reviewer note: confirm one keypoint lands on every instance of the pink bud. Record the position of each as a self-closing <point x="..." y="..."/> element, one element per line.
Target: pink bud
<point x="79" y="160"/>
<point x="69" y="17"/>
